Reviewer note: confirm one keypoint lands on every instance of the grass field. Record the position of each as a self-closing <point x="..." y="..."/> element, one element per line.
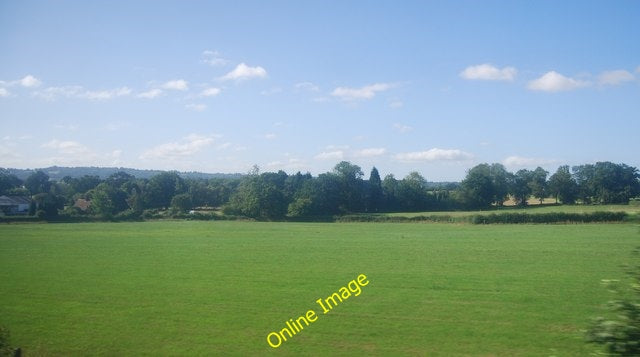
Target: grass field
<point x="218" y="288"/>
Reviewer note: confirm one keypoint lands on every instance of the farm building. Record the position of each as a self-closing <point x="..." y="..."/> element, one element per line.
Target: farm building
<point x="10" y="205"/>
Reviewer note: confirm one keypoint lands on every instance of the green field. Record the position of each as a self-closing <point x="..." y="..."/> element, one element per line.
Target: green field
<point x="218" y="288"/>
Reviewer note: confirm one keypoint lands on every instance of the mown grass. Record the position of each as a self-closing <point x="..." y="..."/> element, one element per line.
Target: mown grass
<point x="218" y="288"/>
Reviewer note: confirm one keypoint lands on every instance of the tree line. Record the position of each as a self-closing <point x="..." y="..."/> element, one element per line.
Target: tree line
<point x="277" y="195"/>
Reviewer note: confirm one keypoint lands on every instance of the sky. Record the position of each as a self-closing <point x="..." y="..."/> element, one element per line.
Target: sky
<point x="435" y="87"/>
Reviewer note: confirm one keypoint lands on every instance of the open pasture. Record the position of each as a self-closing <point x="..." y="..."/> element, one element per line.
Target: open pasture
<point x="219" y="288"/>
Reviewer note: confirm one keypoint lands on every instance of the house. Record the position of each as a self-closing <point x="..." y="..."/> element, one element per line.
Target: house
<point x="12" y="205"/>
<point x="82" y="204"/>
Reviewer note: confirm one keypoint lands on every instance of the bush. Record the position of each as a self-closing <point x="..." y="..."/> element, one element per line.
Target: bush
<point x="127" y="215"/>
<point x="620" y="335"/>
<point x="552" y="217"/>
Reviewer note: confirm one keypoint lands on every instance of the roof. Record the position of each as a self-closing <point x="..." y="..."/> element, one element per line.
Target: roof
<point x="14" y="200"/>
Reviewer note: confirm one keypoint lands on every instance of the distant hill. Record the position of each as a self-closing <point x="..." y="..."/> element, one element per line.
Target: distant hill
<point x="57" y="173"/>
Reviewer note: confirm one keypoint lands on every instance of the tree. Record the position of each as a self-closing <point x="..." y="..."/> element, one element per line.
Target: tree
<point x="161" y="189"/>
<point x="351" y="186"/>
<point x="37" y="182"/>
<point x="562" y="186"/>
<point x="478" y="189"/>
<point x="47" y="205"/>
<point x="8" y="182"/>
<point x="101" y="203"/>
<point x="606" y="182"/>
<point x="181" y="202"/>
<point x="538" y="183"/>
<point x="500" y="179"/>
<point x="412" y="192"/>
<point x="520" y="189"/>
<point x="389" y="193"/>
<point x="260" y="196"/>
<point x="374" y="194"/>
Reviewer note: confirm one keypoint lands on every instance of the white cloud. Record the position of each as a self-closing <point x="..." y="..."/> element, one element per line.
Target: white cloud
<point x="27" y="81"/>
<point x="270" y="136"/>
<point x="213" y="58"/>
<point x="53" y="93"/>
<point x="106" y="94"/>
<point x="370" y="152"/>
<point x="188" y="146"/>
<point x="366" y="92"/>
<point x="210" y="92"/>
<point x="638" y="69"/>
<point x="434" y="154"/>
<point x="556" y="82"/>
<point x="489" y="72"/>
<point x="4" y="92"/>
<point x="402" y="128"/>
<point x="519" y="161"/>
<point x="30" y="81"/>
<point x="242" y="72"/>
<point x="290" y="164"/>
<point x="196" y="107"/>
<point x="616" y="77"/>
<point x="150" y="94"/>
<point x="66" y="147"/>
<point x="330" y="155"/>
<point x="271" y="91"/>
<point x="308" y="86"/>
<point x="176" y="84"/>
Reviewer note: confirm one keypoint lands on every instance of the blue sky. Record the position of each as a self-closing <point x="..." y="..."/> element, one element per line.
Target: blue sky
<point x="433" y="87"/>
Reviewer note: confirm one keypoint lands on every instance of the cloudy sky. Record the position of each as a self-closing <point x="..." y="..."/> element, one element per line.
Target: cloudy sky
<point x="435" y="87"/>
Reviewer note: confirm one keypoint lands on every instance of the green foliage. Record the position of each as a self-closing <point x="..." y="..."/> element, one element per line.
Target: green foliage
<point x="606" y="182"/>
<point x="478" y="188"/>
<point x="260" y="197"/>
<point x="620" y="334"/>
<point x="38" y="182"/>
<point x="563" y="186"/>
<point x="47" y="205"/>
<point x="551" y="217"/>
<point x="8" y="182"/>
<point x="181" y="202"/>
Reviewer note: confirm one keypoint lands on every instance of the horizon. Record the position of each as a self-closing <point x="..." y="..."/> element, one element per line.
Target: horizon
<point x="430" y="87"/>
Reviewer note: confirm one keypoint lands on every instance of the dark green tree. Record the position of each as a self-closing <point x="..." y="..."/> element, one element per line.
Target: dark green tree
<point x="500" y="180"/>
<point x="351" y="186"/>
<point x="520" y="188"/>
<point x="47" y="205"/>
<point x="562" y="186"/>
<point x="161" y="189"/>
<point x="477" y="187"/>
<point x="412" y="193"/>
<point x="374" y="192"/>
<point x="8" y="182"/>
<point x="259" y="196"/>
<point x="538" y="184"/>
<point x="37" y="182"/>
<point x="181" y="202"/>
<point x="389" y="193"/>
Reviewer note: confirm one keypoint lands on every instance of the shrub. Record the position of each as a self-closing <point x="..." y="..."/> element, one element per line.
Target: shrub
<point x="620" y="335"/>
